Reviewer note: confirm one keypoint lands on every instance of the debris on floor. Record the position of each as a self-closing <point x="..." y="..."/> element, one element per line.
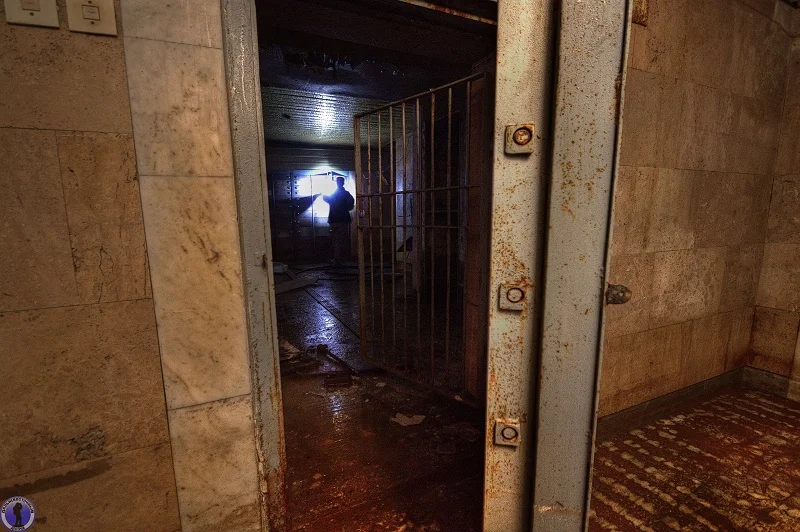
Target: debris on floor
<point x="349" y="469"/>
<point x="294" y="360"/>
<point x="405" y="421"/>
<point x="338" y="379"/>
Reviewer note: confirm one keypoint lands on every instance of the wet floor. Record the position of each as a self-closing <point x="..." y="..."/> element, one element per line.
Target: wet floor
<point x="728" y="463"/>
<point x="367" y="451"/>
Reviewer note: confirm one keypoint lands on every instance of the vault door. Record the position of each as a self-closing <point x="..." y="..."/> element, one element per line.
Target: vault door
<point x="423" y="199"/>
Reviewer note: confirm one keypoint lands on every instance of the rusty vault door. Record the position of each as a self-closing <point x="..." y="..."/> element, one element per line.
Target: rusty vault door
<point x="423" y="173"/>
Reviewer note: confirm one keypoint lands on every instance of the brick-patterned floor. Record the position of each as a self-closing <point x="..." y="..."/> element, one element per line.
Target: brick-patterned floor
<point x="729" y="463"/>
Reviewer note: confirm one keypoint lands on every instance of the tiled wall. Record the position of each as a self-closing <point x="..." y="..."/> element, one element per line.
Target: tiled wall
<point x="83" y="416"/>
<point x="701" y="133"/>
<point x="777" y="316"/>
<point x="181" y="129"/>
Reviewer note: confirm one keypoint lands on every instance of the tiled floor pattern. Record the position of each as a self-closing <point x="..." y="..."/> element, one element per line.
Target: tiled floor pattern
<point x="730" y="463"/>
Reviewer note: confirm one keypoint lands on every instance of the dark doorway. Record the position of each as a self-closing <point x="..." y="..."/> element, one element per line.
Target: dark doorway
<point x="368" y="445"/>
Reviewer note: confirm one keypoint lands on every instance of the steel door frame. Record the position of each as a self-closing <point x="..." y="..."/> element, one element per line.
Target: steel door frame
<point x="525" y="60"/>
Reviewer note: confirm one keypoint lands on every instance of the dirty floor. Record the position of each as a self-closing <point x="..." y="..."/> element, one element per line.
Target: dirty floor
<point x="729" y="463"/>
<point x="365" y="451"/>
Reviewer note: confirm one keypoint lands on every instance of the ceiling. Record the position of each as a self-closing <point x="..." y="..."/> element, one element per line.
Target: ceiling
<point x="311" y="118"/>
<point x="324" y="60"/>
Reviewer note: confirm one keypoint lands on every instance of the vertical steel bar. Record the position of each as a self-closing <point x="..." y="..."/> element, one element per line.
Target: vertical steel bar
<point x="370" y="224"/>
<point x="362" y="322"/>
<point x="463" y="223"/>
<point x="405" y="242"/>
<point x="313" y="220"/>
<point x="393" y="196"/>
<point x="381" y="226"/>
<point x="433" y="236"/>
<point x="448" y="231"/>
<point x="418" y="250"/>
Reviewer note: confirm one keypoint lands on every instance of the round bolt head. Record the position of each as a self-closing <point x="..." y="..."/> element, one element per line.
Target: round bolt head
<point x="509" y="433"/>
<point x="515" y="295"/>
<point x="523" y="136"/>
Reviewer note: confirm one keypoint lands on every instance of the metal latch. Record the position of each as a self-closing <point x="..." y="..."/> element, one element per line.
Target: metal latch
<point x="507" y="432"/>
<point x="512" y="297"/>
<point x="618" y="294"/>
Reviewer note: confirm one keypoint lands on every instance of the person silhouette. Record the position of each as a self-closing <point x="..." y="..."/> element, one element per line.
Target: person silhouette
<point x="17" y="514"/>
<point x="341" y="202"/>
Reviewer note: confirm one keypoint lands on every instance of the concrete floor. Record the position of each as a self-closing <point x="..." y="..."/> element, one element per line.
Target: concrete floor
<point x="350" y="467"/>
<point x="727" y="463"/>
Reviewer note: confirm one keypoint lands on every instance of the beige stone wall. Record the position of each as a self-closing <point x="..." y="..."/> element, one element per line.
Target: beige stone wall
<point x="701" y="133"/>
<point x="179" y="107"/>
<point x="117" y="170"/>
<point x="85" y="432"/>
<point x="777" y="315"/>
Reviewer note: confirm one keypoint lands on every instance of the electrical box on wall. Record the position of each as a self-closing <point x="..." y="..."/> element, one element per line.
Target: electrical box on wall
<point x="32" y="12"/>
<point x="92" y="16"/>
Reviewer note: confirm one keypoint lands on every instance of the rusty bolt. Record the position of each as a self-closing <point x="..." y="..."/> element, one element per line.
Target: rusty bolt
<point x="523" y="136"/>
<point x="509" y="433"/>
<point x="515" y="295"/>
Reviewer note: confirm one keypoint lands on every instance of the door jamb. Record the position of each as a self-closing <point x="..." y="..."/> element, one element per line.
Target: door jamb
<point x="240" y="51"/>
<point x="526" y="47"/>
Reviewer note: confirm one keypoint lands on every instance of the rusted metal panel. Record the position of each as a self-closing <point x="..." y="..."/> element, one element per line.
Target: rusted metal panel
<point x="247" y="140"/>
<point x="524" y="77"/>
<point x="590" y="60"/>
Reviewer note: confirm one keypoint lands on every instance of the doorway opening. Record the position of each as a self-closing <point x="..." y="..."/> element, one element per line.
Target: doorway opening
<point x="382" y="332"/>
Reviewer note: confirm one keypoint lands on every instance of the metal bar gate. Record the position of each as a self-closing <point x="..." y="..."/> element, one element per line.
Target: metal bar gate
<point x="421" y="223"/>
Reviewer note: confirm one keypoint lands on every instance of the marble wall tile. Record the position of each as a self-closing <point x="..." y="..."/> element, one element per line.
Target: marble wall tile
<point x="641" y="119"/>
<point x="101" y="192"/>
<point x="36" y="261"/>
<point x="215" y="466"/>
<point x="665" y="49"/>
<point x="180" y="109"/>
<point x="99" y="367"/>
<point x="730" y="209"/>
<point x="193" y="245"/>
<point x="788" y="161"/>
<point x="633" y="195"/>
<point x="741" y="335"/>
<point x="687" y="285"/>
<point x="709" y="348"/>
<point x="774" y="340"/>
<point x="784" y="211"/>
<point x="670" y="214"/>
<point x="788" y="18"/>
<point x="765" y="7"/>
<point x="757" y="122"/>
<point x="779" y="285"/>
<point x="197" y="22"/>
<point x="742" y="271"/>
<point x="635" y="272"/>
<point x="129" y="491"/>
<point x="62" y="80"/>
<point x="641" y="366"/>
